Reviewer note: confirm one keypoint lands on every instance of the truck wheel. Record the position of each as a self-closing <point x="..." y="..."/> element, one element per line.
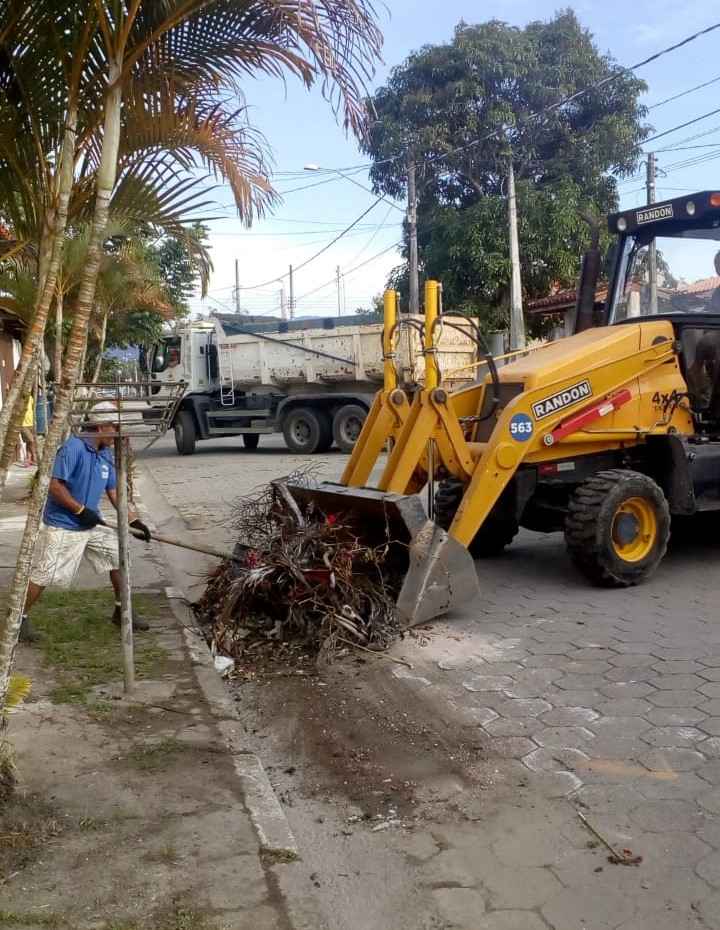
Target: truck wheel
<point x="493" y="536"/>
<point x="347" y="425"/>
<point x="251" y="441"/>
<point x="307" y="431"/>
<point x="618" y="527"/>
<point x="185" y="433"/>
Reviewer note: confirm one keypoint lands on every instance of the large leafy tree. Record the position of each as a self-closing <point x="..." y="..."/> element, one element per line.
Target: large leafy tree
<point x="464" y="109"/>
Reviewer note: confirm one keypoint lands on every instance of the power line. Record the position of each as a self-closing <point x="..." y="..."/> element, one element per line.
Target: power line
<point x="361" y="230"/>
<point x="317" y="254"/>
<point x="351" y="271"/>
<point x="691" y="122"/>
<point x="684" y="93"/>
<point x="380" y="225"/>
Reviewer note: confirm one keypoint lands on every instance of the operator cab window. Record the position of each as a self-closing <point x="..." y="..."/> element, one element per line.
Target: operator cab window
<point x="677" y="273"/>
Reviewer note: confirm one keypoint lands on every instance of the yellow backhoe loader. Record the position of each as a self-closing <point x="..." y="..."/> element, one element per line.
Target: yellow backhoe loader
<point x="605" y="435"/>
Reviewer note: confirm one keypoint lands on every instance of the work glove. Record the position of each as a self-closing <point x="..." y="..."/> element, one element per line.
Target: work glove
<point x="140" y="526"/>
<point x="88" y="518"/>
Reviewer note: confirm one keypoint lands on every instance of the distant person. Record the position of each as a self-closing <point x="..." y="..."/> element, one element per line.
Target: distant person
<point x="27" y="433"/>
<point x="84" y="469"/>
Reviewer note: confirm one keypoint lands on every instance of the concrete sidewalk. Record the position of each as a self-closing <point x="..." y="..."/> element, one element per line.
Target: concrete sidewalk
<point x="141" y="813"/>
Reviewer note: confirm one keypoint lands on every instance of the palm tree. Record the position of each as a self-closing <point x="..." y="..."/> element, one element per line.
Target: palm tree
<point x="187" y="53"/>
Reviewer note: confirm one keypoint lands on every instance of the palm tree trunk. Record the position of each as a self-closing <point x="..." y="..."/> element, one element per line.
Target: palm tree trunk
<point x="101" y="348"/>
<point x="58" y="353"/>
<point x="46" y="289"/>
<point x="106" y="176"/>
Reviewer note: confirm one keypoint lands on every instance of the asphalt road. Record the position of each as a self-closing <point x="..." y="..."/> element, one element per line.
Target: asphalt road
<point x="607" y="702"/>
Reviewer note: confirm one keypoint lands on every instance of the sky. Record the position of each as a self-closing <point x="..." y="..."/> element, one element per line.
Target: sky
<point x="301" y="130"/>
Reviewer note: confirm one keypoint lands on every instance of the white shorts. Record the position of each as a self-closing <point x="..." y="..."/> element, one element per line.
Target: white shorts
<point x="59" y="553"/>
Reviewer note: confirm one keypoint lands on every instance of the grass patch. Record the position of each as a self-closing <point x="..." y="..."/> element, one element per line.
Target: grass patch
<point x="28" y="826"/>
<point x="177" y="917"/>
<point x="30" y="919"/>
<point x="82" y="645"/>
<point x="153" y="756"/>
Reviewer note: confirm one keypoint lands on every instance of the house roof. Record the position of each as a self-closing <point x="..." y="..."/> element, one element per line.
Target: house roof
<point x="561" y="301"/>
<point x="700" y="287"/>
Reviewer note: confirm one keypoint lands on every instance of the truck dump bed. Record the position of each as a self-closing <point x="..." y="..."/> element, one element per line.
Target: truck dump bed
<point x="323" y="352"/>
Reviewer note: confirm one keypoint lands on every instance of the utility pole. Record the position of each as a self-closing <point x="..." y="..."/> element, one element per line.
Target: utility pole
<point x="339" y="292"/>
<point x="283" y="304"/>
<point x="237" y="286"/>
<point x="517" y="321"/>
<point x="412" y="228"/>
<point x="292" y="295"/>
<point x="652" y="249"/>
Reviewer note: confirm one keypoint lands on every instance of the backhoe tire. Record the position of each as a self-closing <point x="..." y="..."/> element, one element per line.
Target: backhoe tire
<point x="251" y="441"/>
<point x="307" y="431"/>
<point x="617" y="528"/>
<point x="347" y="424"/>
<point x="493" y="536"/>
<point x="185" y="433"/>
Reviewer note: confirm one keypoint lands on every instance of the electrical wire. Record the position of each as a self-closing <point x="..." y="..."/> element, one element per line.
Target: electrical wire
<point x="684" y="93"/>
<point x="667" y="132"/>
<point x="350" y="271"/>
<point x="380" y="225"/>
<point x="280" y="277"/>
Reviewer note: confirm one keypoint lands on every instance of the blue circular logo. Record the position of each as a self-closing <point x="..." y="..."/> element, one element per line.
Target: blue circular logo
<point x="521" y="427"/>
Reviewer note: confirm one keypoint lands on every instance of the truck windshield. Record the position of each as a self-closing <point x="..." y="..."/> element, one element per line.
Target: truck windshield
<point x="678" y="273"/>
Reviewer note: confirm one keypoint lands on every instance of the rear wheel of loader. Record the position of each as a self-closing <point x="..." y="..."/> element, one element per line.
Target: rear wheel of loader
<point x="185" y="433"/>
<point x="307" y="431"/>
<point x="493" y="536"/>
<point x="347" y="426"/>
<point x="618" y="527"/>
<point x="251" y="440"/>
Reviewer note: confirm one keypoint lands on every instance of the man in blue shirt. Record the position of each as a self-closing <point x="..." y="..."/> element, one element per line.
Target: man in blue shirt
<point x="83" y="471"/>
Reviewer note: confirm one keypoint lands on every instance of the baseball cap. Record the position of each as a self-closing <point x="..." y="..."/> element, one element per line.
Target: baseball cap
<point x="104" y="412"/>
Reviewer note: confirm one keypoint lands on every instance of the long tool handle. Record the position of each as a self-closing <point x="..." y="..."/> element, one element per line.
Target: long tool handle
<point x="169" y="541"/>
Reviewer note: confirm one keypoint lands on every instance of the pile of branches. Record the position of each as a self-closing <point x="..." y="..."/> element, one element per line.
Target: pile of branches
<point x="299" y="582"/>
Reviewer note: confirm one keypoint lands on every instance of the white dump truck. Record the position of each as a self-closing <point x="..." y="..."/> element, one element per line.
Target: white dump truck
<point x="313" y="380"/>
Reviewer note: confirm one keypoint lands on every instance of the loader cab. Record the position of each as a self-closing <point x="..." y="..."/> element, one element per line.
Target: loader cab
<point x="667" y="266"/>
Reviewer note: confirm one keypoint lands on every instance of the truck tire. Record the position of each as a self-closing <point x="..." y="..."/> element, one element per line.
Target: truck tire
<point x="251" y="441"/>
<point x="618" y="527"/>
<point x="347" y="424"/>
<point x="493" y="536"/>
<point x="185" y="433"/>
<point x="307" y="431"/>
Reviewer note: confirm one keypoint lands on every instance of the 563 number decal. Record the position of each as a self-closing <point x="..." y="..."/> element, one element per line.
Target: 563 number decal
<point x="521" y="427"/>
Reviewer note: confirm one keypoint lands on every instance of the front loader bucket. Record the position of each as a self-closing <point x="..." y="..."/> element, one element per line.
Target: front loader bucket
<point x="429" y="571"/>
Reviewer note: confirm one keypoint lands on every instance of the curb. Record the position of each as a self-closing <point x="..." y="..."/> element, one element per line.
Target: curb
<point x="275" y="837"/>
<point x="272" y="827"/>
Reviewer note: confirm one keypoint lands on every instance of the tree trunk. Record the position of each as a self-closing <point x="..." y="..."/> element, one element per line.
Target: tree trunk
<point x="58" y="354"/>
<point x="101" y="348"/>
<point x="46" y="289"/>
<point x="107" y="173"/>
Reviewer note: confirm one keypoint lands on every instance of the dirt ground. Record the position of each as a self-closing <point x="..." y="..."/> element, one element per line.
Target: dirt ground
<point x="127" y="814"/>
